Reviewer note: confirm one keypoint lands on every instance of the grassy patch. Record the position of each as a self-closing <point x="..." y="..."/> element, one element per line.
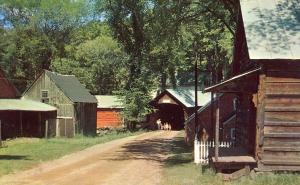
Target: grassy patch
<point x="23" y="153"/>
<point x="179" y="169"/>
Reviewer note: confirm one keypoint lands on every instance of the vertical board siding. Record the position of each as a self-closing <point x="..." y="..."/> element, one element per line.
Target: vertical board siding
<point x="56" y="97"/>
<point x="281" y="131"/>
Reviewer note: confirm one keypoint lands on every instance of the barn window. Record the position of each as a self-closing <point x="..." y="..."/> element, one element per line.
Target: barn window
<point x="44" y="96"/>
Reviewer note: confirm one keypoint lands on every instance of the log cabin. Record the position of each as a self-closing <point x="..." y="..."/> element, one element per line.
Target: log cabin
<point x="266" y="80"/>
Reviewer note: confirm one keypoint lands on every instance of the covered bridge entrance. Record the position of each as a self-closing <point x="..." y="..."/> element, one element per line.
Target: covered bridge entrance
<point x="174" y="106"/>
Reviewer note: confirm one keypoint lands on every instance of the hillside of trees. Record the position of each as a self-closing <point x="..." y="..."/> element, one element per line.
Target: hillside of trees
<point x="126" y="47"/>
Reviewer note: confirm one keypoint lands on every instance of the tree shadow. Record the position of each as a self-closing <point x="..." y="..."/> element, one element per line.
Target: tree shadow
<point x="273" y="29"/>
<point x="13" y="157"/>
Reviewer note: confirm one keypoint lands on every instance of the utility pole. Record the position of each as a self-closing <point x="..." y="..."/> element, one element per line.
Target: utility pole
<point x="196" y="140"/>
<point x="196" y="96"/>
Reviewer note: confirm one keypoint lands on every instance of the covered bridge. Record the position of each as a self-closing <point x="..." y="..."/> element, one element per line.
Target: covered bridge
<point x="176" y="105"/>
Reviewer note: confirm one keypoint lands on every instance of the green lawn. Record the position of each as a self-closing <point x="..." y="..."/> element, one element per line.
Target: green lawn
<point x="23" y="153"/>
<point x="179" y="169"/>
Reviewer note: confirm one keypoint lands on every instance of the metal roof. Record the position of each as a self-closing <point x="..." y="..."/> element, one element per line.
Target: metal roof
<point x="24" y="105"/>
<point x="272" y="28"/>
<point x="186" y="95"/>
<point x="108" y="101"/>
<point x="72" y="88"/>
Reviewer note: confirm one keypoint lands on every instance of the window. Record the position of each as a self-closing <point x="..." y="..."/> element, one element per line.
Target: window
<point x="232" y="133"/>
<point x="44" y="96"/>
<point x="235" y="104"/>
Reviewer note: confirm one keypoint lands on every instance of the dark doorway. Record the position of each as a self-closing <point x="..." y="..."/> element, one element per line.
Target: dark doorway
<point x="172" y="114"/>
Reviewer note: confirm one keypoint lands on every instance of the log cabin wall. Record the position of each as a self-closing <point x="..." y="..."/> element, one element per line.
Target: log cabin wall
<point x="278" y="129"/>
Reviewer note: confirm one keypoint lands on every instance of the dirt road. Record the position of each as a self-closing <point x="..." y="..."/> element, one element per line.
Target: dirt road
<point x="135" y="160"/>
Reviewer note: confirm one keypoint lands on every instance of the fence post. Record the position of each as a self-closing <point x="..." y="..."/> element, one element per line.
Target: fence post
<point x="46" y="129"/>
<point x="196" y="151"/>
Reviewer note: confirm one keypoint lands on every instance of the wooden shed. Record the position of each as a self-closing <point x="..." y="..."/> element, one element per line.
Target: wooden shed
<point x="76" y="107"/>
<point x="176" y="105"/>
<point x="20" y="117"/>
<point x="109" y="110"/>
<point x="267" y="84"/>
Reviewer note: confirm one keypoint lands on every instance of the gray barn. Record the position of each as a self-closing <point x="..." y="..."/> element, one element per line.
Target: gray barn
<point x="74" y="103"/>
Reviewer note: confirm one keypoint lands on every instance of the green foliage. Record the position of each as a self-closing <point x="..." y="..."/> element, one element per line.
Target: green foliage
<point x="99" y="63"/>
<point x="127" y="47"/>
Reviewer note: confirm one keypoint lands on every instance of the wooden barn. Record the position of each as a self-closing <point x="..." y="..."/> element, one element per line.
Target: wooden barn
<point x="206" y="119"/>
<point x="109" y="110"/>
<point x="176" y="105"/>
<point x="267" y="83"/>
<point x="21" y="117"/>
<point x="76" y="107"/>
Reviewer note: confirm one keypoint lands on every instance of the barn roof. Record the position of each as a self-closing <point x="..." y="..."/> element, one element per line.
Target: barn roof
<point x="71" y="87"/>
<point x="272" y="28"/>
<point x="24" y="105"/>
<point x="108" y="101"/>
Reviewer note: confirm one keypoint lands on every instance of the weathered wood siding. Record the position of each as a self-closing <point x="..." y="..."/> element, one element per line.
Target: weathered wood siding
<point x="57" y="98"/>
<point x="278" y="141"/>
<point x="85" y="118"/>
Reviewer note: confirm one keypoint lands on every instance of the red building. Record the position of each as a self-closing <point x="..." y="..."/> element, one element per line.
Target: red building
<point x="109" y="112"/>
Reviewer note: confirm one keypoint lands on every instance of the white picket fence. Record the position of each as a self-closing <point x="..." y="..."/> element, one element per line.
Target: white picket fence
<point x="201" y="150"/>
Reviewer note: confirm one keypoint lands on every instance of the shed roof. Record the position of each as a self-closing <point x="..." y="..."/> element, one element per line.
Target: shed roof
<point x="108" y="101"/>
<point x="24" y="105"/>
<point x="272" y="28"/>
<point x="72" y="88"/>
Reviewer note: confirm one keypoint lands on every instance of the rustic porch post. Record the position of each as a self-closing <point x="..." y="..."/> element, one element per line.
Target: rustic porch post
<point x="217" y="129"/>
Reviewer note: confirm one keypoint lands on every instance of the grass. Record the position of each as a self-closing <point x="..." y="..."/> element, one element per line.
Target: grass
<point x="24" y="153"/>
<point x="179" y="169"/>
